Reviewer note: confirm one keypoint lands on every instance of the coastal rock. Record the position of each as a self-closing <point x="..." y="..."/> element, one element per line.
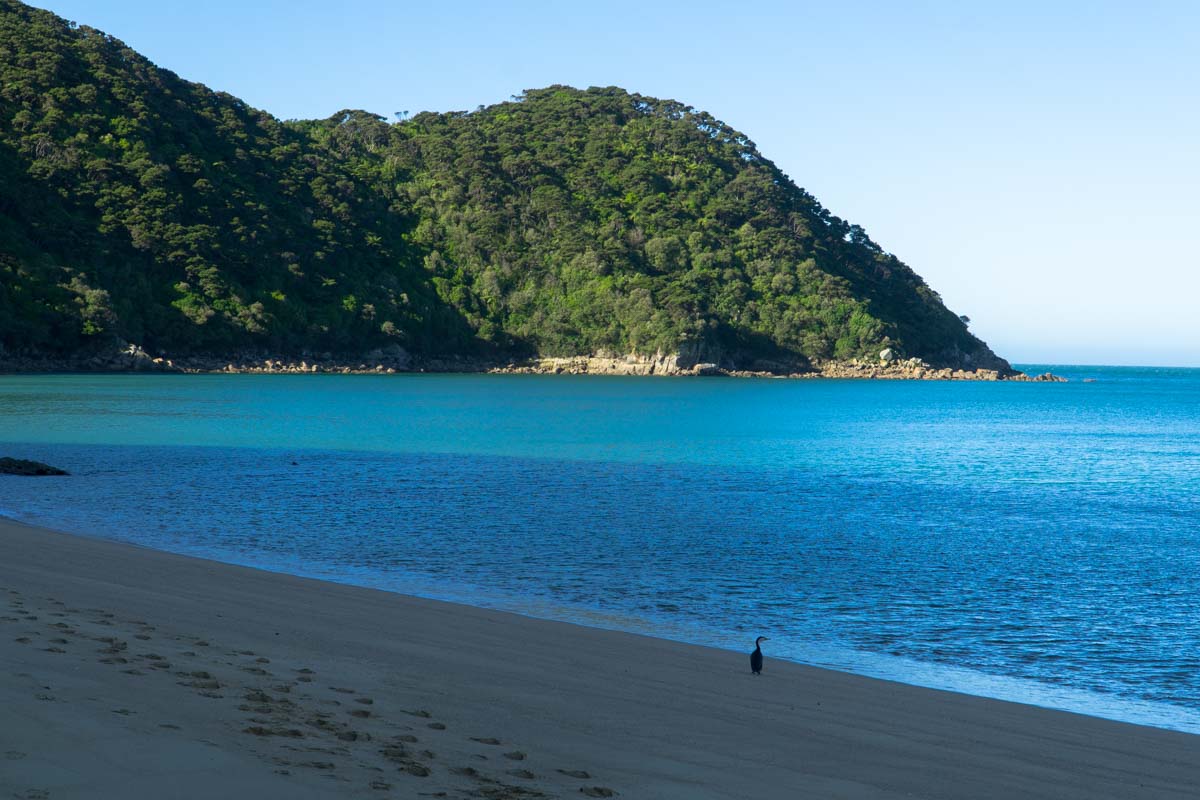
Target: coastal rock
<point x="395" y="359"/>
<point x="887" y="355"/>
<point x="20" y="466"/>
<point x="1045" y="377"/>
<point x="631" y="364"/>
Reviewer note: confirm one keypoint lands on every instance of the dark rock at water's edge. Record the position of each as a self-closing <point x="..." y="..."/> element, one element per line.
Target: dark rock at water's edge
<point x="20" y="466"/>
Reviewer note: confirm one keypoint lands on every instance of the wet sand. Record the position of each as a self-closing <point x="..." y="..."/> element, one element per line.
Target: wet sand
<point x="128" y="672"/>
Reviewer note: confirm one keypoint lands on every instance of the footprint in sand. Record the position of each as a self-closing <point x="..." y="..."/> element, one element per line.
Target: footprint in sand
<point x="515" y="755"/>
<point x="437" y="726"/>
<point x="23" y="640"/>
<point x="366" y="701"/>
<point x="361" y="713"/>
<point x="575" y="773"/>
<point x="522" y="773"/>
<point x="486" y="740"/>
<point x="14" y="755"/>
<point x="597" y="791"/>
<point x="340" y="689"/>
<point x="259" y="730"/>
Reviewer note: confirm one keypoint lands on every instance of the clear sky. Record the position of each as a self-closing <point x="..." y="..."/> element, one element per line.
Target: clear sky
<point x="1038" y="163"/>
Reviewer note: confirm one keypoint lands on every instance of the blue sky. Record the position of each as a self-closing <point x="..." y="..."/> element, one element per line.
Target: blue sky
<point x="1036" y="163"/>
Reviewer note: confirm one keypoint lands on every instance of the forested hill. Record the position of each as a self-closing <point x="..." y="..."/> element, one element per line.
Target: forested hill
<point x="136" y="206"/>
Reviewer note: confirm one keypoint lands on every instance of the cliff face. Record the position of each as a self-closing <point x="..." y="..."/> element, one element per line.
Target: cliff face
<point x="138" y="208"/>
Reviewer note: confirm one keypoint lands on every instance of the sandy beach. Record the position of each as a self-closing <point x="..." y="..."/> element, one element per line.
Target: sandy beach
<point x="133" y="673"/>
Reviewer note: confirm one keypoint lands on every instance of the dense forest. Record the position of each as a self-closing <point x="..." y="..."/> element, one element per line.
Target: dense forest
<point x="136" y="206"/>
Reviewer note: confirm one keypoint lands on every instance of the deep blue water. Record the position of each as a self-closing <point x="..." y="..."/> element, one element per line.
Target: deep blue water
<point x="1037" y="542"/>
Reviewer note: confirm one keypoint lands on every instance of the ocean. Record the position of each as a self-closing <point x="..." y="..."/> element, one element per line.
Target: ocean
<point x="1031" y="542"/>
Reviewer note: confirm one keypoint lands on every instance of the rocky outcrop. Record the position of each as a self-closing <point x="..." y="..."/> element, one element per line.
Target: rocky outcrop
<point x="889" y="366"/>
<point x="20" y="466"/>
<point x="606" y="364"/>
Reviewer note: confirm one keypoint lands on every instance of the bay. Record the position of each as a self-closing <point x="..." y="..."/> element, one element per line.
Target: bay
<point x="1035" y="542"/>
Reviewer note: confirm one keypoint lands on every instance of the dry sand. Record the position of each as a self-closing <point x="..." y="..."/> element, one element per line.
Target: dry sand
<point x="130" y="673"/>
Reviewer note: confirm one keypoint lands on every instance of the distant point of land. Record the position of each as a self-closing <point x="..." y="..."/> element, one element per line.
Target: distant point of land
<point x="145" y="214"/>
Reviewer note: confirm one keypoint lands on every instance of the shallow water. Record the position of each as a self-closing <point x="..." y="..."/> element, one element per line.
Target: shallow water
<point x="1035" y="542"/>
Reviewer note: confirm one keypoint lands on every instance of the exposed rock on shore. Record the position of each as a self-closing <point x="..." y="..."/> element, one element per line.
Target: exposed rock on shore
<point x="132" y="358"/>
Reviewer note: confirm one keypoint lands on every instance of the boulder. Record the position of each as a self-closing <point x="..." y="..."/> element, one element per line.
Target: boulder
<point x="887" y="355"/>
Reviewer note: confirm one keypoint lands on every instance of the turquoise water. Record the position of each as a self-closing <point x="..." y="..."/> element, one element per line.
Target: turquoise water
<point x="1035" y="542"/>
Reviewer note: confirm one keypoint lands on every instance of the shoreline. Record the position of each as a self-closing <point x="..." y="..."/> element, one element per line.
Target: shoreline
<point x="906" y="671"/>
<point x="642" y="717"/>
<point x="133" y="359"/>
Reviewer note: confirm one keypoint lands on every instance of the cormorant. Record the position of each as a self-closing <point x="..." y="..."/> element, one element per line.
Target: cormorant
<point x="756" y="656"/>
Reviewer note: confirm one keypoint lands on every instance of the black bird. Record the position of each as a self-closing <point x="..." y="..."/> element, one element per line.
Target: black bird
<point x="756" y="656"/>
